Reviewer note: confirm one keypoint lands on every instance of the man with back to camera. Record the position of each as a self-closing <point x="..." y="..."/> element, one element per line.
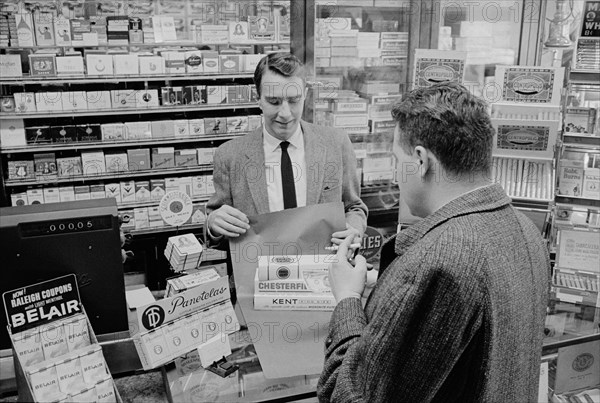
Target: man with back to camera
<point x="249" y="173"/>
<point x="457" y="314"/>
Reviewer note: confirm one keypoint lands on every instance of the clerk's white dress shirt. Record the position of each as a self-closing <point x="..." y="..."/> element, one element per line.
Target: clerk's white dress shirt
<point x="272" y="150"/>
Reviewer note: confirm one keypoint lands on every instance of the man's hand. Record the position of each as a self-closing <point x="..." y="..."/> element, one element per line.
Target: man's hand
<point x="338" y="237"/>
<point x="227" y="221"/>
<point x="347" y="281"/>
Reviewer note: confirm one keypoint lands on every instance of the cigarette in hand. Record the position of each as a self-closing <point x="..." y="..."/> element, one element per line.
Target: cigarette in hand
<point x="353" y="246"/>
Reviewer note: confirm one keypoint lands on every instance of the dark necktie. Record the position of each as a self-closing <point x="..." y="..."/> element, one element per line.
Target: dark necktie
<point x="287" y="177"/>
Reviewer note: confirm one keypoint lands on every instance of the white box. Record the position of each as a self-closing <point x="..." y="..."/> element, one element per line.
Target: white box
<point x="524" y="138"/>
<point x="12" y="133"/>
<point x="48" y="101"/>
<point x="432" y="66"/>
<point x="19" y="199"/>
<point x="196" y="127"/>
<point x="591" y="183"/>
<point x="112" y="131"/>
<point x="92" y="163"/>
<point x="24" y="102"/>
<point x="98" y="100"/>
<point x="69" y="65"/>
<point x="142" y="219"/>
<point x="181" y="128"/>
<point x="74" y="101"/>
<point x="205" y="156"/>
<point x="10" y="66"/>
<point x="35" y="196"/>
<point x="174" y="62"/>
<point x="294" y="302"/>
<point x="146" y="99"/>
<point x="123" y="98"/>
<point x="51" y="195"/>
<point x="199" y="186"/>
<point x="193" y="62"/>
<point x="151" y="65"/>
<point x="529" y="84"/>
<point x="113" y="190"/>
<point x="67" y="193"/>
<point x="126" y="65"/>
<point x="138" y="130"/>
<point x="99" y="65"/>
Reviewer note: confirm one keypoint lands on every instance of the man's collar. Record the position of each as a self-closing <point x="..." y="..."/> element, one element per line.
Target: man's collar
<point x="481" y="199"/>
<point x="272" y="142"/>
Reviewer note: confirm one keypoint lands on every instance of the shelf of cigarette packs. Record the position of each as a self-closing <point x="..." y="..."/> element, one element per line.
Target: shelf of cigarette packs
<point x="524" y="146"/>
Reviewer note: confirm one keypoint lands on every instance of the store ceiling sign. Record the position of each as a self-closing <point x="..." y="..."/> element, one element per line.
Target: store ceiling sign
<point x="41" y="303"/>
<point x="371" y="243"/>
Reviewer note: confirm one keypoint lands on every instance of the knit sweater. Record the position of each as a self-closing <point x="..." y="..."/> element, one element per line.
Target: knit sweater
<point x="457" y="314"/>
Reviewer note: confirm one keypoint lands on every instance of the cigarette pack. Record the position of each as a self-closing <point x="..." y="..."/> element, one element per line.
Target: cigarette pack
<point x="112" y="131"/>
<point x="67" y="193"/>
<point x="45" y="165"/>
<point x="35" y="196"/>
<point x="43" y="381"/>
<point x="230" y="64"/>
<point x="113" y="190"/>
<point x="69" y="65"/>
<point x="63" y="134"/>
<point x="10" y="66"/>
<point x="181" y="128"/>
<point x="591" y="183"/>
<point x="292" y="267"/>
<point x="157" y="188"/>
<point x="70" y="375"/>
<point x="82" y="192"/>
<point x="199" y="186"/>
<point x="51" y="195"/>
<point x="49" y="101"/>
<point x="19" y="199"/>
<point x="216" y="94"/>
<point x="142" y="191"/>
<point x="99" y="65"/>
<point x="24" y="28"/>
<point x="28" y="346"/>
<point x="154" y="217"/>
<point x="193" y="62"/>
<point x="570" y="178"/>
<point x="97" y="191"/>
<point x="142" y="219"/>
<point x="188" y="281"/>
<point x="163" y="128"/>
<point x="54" y="340"/>
<point x="211" y="61"/>
<point x="62" y="31"/>
<point x="124" y="98"/>
<point x="126" y="64"/>
<point x="213" y="126"/>
<point x="128" y="192"/>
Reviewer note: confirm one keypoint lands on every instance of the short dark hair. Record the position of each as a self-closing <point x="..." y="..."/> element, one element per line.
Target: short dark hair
<point x="449" y="121"/>
<point x="284" y="64"/>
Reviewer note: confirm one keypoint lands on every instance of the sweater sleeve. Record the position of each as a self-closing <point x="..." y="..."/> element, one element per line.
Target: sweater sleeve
<point x="424" y="320"/>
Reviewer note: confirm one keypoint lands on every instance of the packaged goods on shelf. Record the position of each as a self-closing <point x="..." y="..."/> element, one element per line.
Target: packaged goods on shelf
<point x="12" y="133"/>
<point x="35" y="196"/>
<point x="154" y="217"/>
<point x="99" y="100"/>
<point x="10" y="66"/>
<point x="591" y="183"/>
<point x="185" y="282"/>
<point x="149" y="65"/>
<point x="433" y="66"/>
<point x="63" y="134"/>
<point x="116" y="162"/>
<point x="82" y="192"/>
<point x="69" y="65"/>
<point x="123" y="98"/>
<point x="67" y="193"/>
<point x="157" y="189"/>
<point x="74" y="101"/>
<point x="112" y="131"/>
<point x="99" y="65"/>
<point x="186" y="157"/>
<point x="45" y="165"/>
<point x="163" y="128"/>
<point x="126" y="64"/>
<point x="524" y="138"/>
<point x="20" y="170"/>
<point x="142" y="191"/>
<point x="69" y="167"/>
<point x="529" y="84"/>
<point x="137" y="130"/>
<point x="181" y="128"/>
<point x="163" y="157"/>
<point x="62" y="31"/>
<point x="261" y="28"/>
<point x="142" y="219"/>
<point x="19" y="199"/>
<point x="522" y="178"/>
<point x="93" y="163"/>
<point x="52" y="195"/>
<point x="570" y="178"/>
<point x="96" y="192"/>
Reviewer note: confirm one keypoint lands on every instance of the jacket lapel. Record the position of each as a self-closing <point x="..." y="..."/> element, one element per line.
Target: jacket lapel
<point x="254" y="171"/>
<point x="314" y="151"/>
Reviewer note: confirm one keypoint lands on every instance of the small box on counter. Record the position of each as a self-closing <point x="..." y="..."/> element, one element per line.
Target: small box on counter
<point x="188" y="281"/>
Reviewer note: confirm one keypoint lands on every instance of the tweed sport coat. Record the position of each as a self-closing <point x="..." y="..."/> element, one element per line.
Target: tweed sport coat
<point x="240" y="180"/>
<point x="457" y="314"/>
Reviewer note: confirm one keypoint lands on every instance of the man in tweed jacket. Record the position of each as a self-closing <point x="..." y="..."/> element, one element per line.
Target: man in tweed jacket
<point x="458" y="310"/>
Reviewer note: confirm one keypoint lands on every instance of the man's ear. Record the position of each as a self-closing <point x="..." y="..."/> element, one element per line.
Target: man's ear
<point x="425" y="159"/>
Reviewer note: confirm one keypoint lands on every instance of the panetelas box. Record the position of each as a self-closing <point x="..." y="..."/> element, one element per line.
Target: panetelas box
<point x="165" y="329"/>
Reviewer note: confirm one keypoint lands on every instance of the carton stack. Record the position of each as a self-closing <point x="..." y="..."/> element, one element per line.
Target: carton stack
<point x="482" y="44"/>
<point x="293" y="283"/>
<point x="183" y="252"/>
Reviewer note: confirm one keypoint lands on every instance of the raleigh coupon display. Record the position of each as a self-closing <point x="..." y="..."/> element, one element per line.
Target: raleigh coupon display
<point x="57" y="357"/>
